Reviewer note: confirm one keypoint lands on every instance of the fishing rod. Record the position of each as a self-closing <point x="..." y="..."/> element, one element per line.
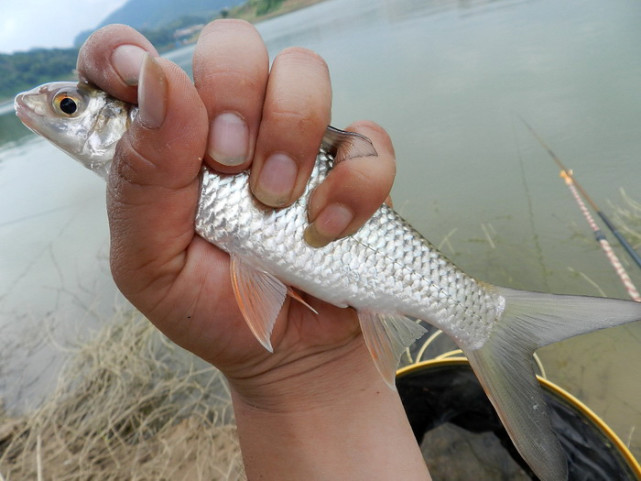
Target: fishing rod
<point x="605" y="245"/>
<point x="622" y="240"/>
<point x="575" y="188"/>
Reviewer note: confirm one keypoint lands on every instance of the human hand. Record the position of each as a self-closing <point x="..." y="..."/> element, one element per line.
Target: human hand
<point x="317" y="407"/>
<point x="238" y="116"/>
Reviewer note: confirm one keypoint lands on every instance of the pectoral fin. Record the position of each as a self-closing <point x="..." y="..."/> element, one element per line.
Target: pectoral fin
<point x="386" y="337"/>
<point x="260" y="297"/>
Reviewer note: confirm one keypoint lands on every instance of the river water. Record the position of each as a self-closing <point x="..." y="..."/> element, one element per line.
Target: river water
<point x="449" y="80"/>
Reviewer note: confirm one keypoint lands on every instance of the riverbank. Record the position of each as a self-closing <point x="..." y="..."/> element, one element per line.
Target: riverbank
<point x="129" y="403"/>
<point x="248" y="11"/>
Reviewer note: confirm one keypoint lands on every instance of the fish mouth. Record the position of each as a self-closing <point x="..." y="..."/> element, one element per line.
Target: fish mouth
<point x="26" y="110"/>
<point x="20" y="107"/>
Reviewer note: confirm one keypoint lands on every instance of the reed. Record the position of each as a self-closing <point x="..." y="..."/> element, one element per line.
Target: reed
<point x="129" y="405"/>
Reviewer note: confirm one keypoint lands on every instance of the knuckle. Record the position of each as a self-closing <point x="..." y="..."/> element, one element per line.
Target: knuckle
<point x="300" y="54"/>
<point x="364" y="195"/>
<point x="306" y="62"/>
<point x="304" y="103"/>
<point x="215" y="84"/>
<point x="232" y="25"/>
<point x="130" y="165"/>
<point x="297" y="109"/>
<point x="365" y="186"/>
<point x="301" y="119"/>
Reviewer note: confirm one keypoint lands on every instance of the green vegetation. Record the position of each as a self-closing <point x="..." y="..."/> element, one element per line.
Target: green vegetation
<point x="256" y="10"/>
<point x="264" y="7"/>
<point x="163" y="37"/>
<point x="24" y="70"/>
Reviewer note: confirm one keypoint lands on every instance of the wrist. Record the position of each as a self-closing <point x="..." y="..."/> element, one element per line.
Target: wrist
<point x="335" y="420"/>
<point x="316" y="380"/>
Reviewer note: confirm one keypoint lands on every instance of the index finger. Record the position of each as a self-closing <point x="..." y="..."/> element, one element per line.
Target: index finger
<point x="111" y="59"/>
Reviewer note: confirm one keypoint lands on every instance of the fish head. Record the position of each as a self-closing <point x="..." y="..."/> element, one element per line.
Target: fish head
<point x="81" y="120"/>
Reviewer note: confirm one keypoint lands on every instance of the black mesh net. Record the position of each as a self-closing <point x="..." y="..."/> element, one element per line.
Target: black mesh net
<point x="463" y="438"/>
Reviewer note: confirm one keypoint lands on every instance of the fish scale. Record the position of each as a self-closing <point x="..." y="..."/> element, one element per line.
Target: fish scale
<point x="386" y="266"/>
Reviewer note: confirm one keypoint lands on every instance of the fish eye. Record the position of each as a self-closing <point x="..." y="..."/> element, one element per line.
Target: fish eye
<point x="67" y="103"/>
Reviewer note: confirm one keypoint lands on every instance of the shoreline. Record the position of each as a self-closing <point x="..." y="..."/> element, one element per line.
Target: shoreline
<point x="6" y="106"/>
<point x="246" y="12"/>
<point x="127" y="401"/>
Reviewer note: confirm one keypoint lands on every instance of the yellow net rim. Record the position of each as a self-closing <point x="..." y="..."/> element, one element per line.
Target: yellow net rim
<point x="551" y="387"/>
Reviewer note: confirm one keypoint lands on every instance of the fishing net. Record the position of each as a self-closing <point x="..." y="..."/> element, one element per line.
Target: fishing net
<point x="463" y="438"/>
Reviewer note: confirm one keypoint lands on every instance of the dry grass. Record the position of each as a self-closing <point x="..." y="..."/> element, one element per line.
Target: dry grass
<point x="130" y="405"/>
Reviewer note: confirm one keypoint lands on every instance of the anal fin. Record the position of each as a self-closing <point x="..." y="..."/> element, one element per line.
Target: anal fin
<point x="260" y="297"/>
<point x="386" y="337"/>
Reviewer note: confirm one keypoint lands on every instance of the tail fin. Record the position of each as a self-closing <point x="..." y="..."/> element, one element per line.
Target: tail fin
<point x="504" y="365"/>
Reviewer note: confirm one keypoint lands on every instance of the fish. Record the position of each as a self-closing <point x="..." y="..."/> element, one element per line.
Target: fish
<point x="387" y="271"/>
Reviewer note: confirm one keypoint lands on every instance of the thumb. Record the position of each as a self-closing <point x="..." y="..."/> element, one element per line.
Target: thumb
<point x="153" y="184"/>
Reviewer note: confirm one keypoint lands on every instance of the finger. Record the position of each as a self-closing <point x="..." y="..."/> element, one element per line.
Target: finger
<point x="153" y="184"/>
<point x="296" y="113"/>
<point x="230" y="67"/>
<point x="353" y="190"/>
<point x="111" y="59"/>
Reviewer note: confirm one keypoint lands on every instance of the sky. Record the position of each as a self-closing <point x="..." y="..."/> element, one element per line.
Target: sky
<point x="25" y="24"/>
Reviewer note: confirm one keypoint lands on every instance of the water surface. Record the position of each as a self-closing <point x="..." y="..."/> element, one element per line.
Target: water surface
<point x="448" y="79"/>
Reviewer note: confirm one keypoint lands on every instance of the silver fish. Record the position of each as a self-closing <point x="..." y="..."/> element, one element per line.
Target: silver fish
<point x="386" y="271"/>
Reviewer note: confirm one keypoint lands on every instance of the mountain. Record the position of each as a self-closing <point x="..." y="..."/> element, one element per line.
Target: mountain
<point x="153" y="14"/>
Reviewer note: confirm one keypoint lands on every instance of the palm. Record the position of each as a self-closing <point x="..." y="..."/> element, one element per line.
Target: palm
<point x="200" y="313"/>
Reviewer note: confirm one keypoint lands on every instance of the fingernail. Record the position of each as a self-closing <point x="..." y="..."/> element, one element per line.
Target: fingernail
<point x="228" y="139"/>
<point x="328" y="225"/>
<point x="152" y="93"/>
<point x="127" y="61"/>
<point x="276" y="181"/>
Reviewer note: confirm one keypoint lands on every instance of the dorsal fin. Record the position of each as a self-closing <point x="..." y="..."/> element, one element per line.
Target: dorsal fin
<point x="344" y="145"/>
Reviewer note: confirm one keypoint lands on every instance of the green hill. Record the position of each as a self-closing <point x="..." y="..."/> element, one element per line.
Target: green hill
<point x="25" y="70"/>
<point x="156" y="19"/>
<point x="154" y="14"/>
